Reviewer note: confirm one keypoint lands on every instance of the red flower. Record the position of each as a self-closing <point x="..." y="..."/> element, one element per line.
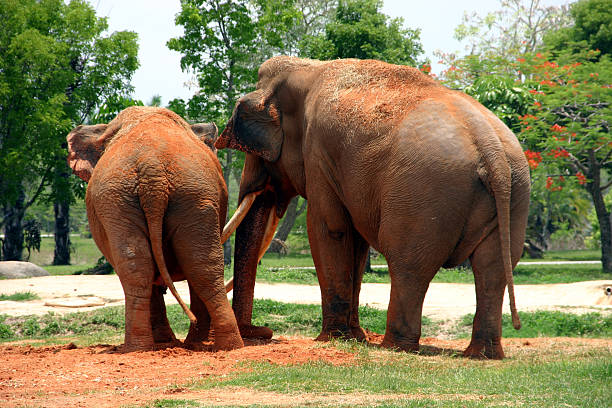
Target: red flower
<point x="581" y="178"/>
<point x="533" y="158"/>
<point x="549" y="182"/>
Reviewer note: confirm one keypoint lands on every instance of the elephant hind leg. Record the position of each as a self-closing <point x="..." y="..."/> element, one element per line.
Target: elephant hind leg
<point x="200" y="331"/>
<point x="162" y="333"/>
<point x="196" y="244"/>
<point x="136" y="271"/>
<point x="490" y="282"/>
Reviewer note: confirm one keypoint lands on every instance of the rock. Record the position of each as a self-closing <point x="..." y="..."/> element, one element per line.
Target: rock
<point x="17" y="269"/>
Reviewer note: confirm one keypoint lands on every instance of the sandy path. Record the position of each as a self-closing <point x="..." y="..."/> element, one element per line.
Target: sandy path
<point x="443" y="300"/>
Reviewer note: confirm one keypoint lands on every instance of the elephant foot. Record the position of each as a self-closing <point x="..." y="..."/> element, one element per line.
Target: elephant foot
<point x="197" y="335"/>
<point x="162" y="336"/>
<point x="166" y="345"/>
<point x="359" y="334"/>
<point x="130" y="346"/>
<point x="356" y="333"/>
<point x="255" y="332"/>
<point x="228" y="341"/>
<point x="411" y="347"/>
<point x="479" y="349"/>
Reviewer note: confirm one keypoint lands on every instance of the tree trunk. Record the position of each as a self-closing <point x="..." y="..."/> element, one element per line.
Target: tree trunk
<point x="605" y="227"/>
<point x="12" y="245"/>
<point x="603" y="215"/>
<point x="368" y="265"/>
<point x="61" y="255"/>
<point x="287" y="225"/>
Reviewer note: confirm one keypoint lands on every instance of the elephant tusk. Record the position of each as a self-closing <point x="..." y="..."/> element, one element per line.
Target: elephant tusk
<point x="269" y="234"/>
<point x="229" y="285"/>
<point x="267" y="240"/>
<point x="239" y="215"/>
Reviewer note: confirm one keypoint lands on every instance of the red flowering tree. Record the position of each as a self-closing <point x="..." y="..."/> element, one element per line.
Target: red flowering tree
<point x="568" y="128"/>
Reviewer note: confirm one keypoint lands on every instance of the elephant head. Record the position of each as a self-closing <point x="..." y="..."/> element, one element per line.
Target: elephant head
<point x="264" y="125"/>
<point x="87" y="143"/>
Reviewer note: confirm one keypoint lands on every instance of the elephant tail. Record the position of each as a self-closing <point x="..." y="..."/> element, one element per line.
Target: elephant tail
<point x="155" y="218"/>
<point x="496" y="174"/>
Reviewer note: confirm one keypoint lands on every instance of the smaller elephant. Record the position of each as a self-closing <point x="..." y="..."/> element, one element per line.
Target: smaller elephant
<point x="156" y="202"/>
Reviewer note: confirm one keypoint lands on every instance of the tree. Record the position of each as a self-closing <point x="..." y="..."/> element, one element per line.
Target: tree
<point x="218" y="45"/>
<point x="360" y="30"/>
<point x="56" y="68"/>
<point x="592" y="28"/>
<point x="569" y="128"/>
<point x="496" y="40"/>
<point x="287" y="25"/>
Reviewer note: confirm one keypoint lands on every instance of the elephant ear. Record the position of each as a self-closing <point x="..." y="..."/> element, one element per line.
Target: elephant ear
<point x="206" y="132"/>
<point x="255" y="127"/>
<point x="85" y="147"/>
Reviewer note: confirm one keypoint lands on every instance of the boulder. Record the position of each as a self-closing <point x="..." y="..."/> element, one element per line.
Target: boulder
<point x="17" y="269"/>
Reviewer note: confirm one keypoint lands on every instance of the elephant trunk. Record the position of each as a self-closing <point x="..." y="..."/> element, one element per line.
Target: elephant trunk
<point x="250" y="237"/>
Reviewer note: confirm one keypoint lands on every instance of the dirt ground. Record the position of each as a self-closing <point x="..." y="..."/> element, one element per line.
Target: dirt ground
<point x="100" y="376"/>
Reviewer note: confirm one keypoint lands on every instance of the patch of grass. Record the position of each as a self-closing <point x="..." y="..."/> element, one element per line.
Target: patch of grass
<point x="67" y="269"/>
<point x="20" y="296"/>
<point x="548" y="324"/>
<point x="84" y="252"/>
<point x="536" y="274"/>
<point x="529" y="380"/>
<point x="169" y="403"/>
<point x="573" y="255"/>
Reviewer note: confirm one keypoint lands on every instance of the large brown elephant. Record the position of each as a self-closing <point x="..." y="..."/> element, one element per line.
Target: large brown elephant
<point x="156" y="202"/>
<point x="387" y="157"/>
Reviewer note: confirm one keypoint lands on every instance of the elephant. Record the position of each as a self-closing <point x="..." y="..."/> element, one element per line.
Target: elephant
<point x="386" y="157"/>
<point x="156" y="202"/>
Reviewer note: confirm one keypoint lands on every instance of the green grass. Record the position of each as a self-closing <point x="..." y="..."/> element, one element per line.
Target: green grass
<point x="84" y="252"/>
<point x="290" y="319"/>
<point x="67" y="269"/>
<point x="547" y="324"/>
<point x="529" y="380"/>
<point x="573" y="255"/>
<point x="20" y="296"/>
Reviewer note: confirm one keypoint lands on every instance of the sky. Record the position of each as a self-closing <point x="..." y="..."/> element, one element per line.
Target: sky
<point x="160" y="71"/>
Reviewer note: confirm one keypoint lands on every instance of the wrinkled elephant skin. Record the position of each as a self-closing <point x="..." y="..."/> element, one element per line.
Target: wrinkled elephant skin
<point x="389" y="158"/>
<point x="156" y="203"/>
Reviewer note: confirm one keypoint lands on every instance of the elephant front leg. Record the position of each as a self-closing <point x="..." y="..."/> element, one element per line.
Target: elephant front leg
<point x="408" y="289"/>
<point x="249" y="238"/>
<point x="332" y="242"/>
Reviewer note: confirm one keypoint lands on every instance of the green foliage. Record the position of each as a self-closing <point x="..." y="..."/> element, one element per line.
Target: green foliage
<point x="111" y="107"/>
<point x="592" y="28"/>
<point x="20" y="296"/>
<point x="217" y="45"/>
<point x="56" y="68"/>
<point x="502" y="96"/>
<point x="31" y="236"/>
<point x="360" y="30"/>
